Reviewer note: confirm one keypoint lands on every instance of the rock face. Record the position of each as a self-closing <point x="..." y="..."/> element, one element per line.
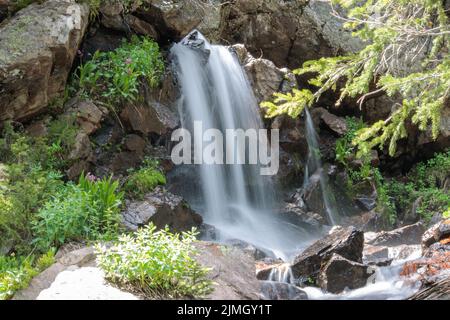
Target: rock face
<point x="286" y="32"/>
<point x="37" y="48"/>
<point x="162" y="208"/>
<point x="233" y="272"/>
<point x="339" y="273"/>
<point x="163" y="20"/>
<point x="410" y="234"/>
<point x="348" y="243"/>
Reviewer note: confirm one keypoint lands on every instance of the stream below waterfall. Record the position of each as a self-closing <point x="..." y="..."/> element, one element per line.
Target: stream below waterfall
<point x="238" y="202"/>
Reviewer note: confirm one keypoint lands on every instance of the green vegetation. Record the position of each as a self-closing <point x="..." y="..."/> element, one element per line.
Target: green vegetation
<point x="89" y="210"/>
<point x="425" y="183"/>
<point x="156" y="263"/>
<point x="344" y="148"/>
<point x="405" y="56"/>
<point x="17" y="272"/>
<point x="116" y="76"/>
<point x="144" y="180"/>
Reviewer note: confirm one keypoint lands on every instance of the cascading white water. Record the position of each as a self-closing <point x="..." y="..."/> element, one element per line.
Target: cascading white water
<point x="314" y="165"/>
<point x="238" y="201"/>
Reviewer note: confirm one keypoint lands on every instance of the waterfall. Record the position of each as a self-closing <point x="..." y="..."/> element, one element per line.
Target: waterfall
<point x="237" y="200"/>
<point x="314" y="165"/>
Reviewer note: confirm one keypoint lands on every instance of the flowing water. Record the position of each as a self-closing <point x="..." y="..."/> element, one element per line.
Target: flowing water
<point x="237" y="200"/>
<point x="314" y="165"/>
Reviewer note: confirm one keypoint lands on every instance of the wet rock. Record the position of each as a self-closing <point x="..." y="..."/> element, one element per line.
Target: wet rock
<point x="298" y="216"/>
<point x="436" y="291"/>
<point x="410" y="234"/>
<point x="273" y="290"/>
<point x="374" y="254"/>
<point x="404" y="251"/>
<point x="161" y="208"/>
<point x="233" y="271"/>
<point x="366" y="202"/>
<point x="339" y="273"/>
<point x="38" y="46"/>
<point x="433" y="266"/>
<point x="431" y="235"/>
<point x="346" y="242"/>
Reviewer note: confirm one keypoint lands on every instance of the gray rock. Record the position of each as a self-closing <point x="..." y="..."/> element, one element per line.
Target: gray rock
<point x="162" y="208"/>
<point x="347" y="242"/>
<point x="38" y="46"/>
<point x="233" y="272"/>
<point x="410" y="234"/>
<point x="339" y="273"/>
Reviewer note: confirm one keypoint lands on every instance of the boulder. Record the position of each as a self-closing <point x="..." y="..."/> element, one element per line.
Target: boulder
<point x="338" y="274"/>
<point x="161" y="208"/>
<point x="37" y="48"/>
<point x="273" y="290"/>
<point x="265" y="78"/>
<point x="346" y="242"/>
<point x="157" y="113"/>
<point x="232" y="271"/>
<point x="375" y="254"/>
<point x="81" y="148"/>
<point x="410" y="234"/>
<point x="436" y="233"/>
<point x="89" y="116"/>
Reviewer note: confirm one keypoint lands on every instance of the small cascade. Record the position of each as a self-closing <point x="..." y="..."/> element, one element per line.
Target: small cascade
<point x="314" y="166"/>
<point x="282" y="273"/>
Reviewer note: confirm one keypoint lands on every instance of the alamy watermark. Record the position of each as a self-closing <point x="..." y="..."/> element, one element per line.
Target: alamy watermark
<point x="212" y="148"/>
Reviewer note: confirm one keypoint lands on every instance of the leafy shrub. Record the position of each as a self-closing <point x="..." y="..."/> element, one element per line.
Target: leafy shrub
<point x="116" y="75"/>
<point x="17" y="272"/>
<point x="144" y="179"/>
<point x="89" y="210"/>
<point x="156" y="263"/>
<point x="425" y="182"/>
<point x="344" y="148"/>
